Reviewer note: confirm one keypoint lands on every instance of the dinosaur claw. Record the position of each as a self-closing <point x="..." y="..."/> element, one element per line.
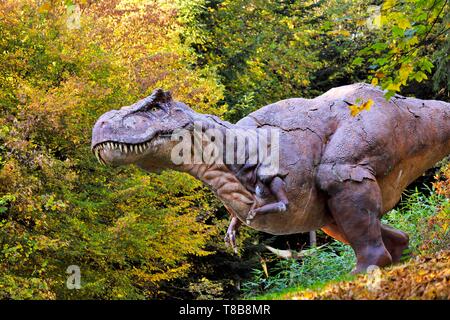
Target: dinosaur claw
<point x="230" y="240"/>
<point x="251" y="214"/>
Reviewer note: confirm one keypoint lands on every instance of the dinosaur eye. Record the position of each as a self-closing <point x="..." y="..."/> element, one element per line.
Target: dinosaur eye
<point x="154" y="108"/>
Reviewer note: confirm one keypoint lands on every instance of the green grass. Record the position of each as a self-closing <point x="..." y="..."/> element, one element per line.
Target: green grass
<point x="333" y="262"/>
<point x="330" y="262"/>
<point x="318" y="285"/>
<point x="413" y="217"/>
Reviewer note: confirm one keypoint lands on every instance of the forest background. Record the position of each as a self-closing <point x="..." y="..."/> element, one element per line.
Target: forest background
<point x="136" y="235"/>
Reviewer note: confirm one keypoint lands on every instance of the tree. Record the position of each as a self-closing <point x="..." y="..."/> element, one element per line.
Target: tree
<point x="126" y="230"/>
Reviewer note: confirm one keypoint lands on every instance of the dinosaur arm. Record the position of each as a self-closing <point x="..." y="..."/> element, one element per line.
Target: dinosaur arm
<point x="278" y="189"/>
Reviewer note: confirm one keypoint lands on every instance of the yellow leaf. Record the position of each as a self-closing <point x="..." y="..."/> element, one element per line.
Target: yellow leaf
<point x="403" y="23"/>
<point x="388" y="4"/>
<point x="393" y="87"/>
<point x="355" y="109"/>
<point x="367" y="105"/>
<point x="404" y="72"/>
<point x="44" y="8"/>
<point x="374" y="81"/>
<point x="414" y="40"/>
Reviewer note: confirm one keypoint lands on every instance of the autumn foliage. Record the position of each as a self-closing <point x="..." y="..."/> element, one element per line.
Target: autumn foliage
<point x="136" y="235"/>
<point x="426" y="277"/>
<point x="127" y="231"/>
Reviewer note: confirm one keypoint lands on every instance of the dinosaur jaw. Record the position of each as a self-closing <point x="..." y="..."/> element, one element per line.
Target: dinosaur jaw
<point x="120" y="153"/>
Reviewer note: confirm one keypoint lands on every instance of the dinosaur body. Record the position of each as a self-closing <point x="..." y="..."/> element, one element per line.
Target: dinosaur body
<point x="395" y="142"/>
<point x="343" y="172"/>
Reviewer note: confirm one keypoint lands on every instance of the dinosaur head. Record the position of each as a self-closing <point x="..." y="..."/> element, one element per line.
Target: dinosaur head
<point x="140" y="133"/>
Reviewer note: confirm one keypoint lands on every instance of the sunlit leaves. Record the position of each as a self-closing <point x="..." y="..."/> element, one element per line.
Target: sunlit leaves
<point x="402" y="50"/>
<point x="425" y="277"/>
<point x="355" y="109"/>
<point x="125" y="229"/>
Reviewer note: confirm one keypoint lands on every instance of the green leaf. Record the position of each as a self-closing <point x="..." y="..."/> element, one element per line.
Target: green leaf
<point x="426" y="65"/>
<point x="358" y="61"/>
<point x="379" y="46"/>
<point x="420" y="76"/>
<point x="389" y="94"/>
<point x="397" y="32"/>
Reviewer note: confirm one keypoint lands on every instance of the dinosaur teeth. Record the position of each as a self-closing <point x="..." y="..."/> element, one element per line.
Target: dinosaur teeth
<point x="123" y="147"/>
<point x="97" y="155"/>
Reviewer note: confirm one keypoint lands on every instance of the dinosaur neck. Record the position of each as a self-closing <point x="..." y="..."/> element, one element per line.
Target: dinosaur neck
<point x="222" y="181"/>
<point x="219" y="176"/>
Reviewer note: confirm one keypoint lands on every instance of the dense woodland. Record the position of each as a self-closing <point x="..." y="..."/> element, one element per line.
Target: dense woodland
<point x="136" y="235"/>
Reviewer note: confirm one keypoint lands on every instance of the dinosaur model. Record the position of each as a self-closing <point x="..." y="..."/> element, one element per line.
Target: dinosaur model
<point x="341" y="173"/>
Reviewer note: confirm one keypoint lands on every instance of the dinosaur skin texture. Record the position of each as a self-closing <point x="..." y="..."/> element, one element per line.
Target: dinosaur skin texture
<point x="344" y="172"/>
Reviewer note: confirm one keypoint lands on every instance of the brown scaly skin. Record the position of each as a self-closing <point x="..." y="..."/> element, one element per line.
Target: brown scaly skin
<point x="344" y="172"/>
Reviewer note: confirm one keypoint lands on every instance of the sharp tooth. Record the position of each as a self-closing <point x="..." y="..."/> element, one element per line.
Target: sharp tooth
<point x="121" y="147"/>
<point x="134" y="149"/>
<point x="96" y="152"/>
<point x="141" y="148"/>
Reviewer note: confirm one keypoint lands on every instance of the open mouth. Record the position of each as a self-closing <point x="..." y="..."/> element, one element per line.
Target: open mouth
<point x="124" y="148"/>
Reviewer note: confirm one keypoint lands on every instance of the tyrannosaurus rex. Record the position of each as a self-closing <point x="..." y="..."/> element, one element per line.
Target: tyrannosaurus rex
<point x="341" y="172"/>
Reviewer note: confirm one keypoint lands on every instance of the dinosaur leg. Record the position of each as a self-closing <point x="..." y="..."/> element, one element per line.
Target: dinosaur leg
<point x="394" y="240"/>
<point x="230" y="237"/>
<point x="356" y="207"/>
<point x="335" y="232"/>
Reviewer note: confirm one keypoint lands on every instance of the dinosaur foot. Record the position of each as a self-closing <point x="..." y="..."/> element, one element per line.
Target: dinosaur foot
<point x="230" y="236"/>
<point x="230" y="240"/>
